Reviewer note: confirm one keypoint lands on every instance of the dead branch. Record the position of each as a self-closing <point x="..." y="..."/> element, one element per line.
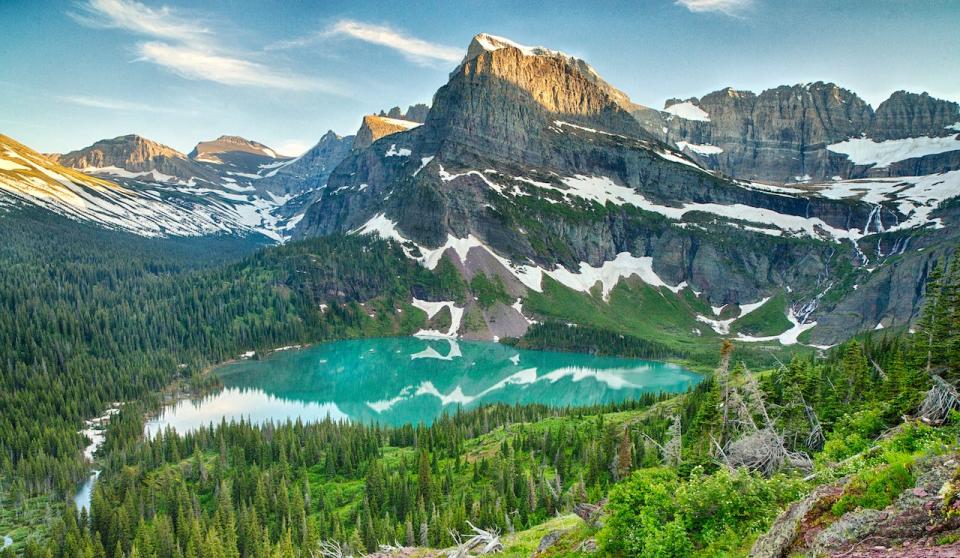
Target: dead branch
<point x="482" y="541"/>
<point x="940" y="400"/>
<point x="331" y="549"/>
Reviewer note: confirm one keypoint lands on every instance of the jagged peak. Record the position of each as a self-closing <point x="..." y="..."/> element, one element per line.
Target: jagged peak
<point x="485" y="43"/>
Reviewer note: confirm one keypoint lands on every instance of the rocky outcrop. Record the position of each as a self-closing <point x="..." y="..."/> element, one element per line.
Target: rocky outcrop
<point x="415" y="113"/>
<point x="778" y="136"/>
<point x="236" y="153"/>
<point x="136" y="155"/>
<point x="375" y="127"/>
<point x="310" y="170"/>
<point x="910" y="526"/>
<point x="908" y="115"/>
<point x="782" y="135"/>
<point x="488" y="167"/>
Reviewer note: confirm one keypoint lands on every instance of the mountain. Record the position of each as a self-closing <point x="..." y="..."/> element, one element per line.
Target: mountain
<point x="375" y="127"/>
<point x="532" y="170"/>
<point x="138" y="197"/>
<point x="133" y="156"/>
<point x="415" y="113"/>
<point x="239" y="155"/>
<point x="812" y="132"/>
<point x="310" y="170"/>
<point x="799" y="215"/>
<point x="909" y="115"/>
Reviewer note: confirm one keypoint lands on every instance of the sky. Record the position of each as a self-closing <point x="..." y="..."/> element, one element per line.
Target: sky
<point x="178" y="72"/>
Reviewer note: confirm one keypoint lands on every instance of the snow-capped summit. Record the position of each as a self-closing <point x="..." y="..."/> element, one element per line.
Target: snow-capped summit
<point x="489" y="43"/>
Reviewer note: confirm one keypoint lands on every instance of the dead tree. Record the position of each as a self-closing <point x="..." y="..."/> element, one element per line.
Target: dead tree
<point x="722" y="377"/>
<point x="672" y="450"/>
<point x="815" y="439"/>
<point x="331" y="549"/>
<point x="940" y="400"/>
<point x="756" y="447"/>
<point x="482" y="541"/>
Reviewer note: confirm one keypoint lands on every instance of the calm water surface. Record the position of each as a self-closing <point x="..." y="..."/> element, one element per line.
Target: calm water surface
<point x="410" y="380"/>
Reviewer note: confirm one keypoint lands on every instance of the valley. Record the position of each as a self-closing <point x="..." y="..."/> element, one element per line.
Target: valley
<point x="530" y="318"/>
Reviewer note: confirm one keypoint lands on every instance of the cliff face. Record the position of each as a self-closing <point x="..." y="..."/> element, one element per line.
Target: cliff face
<point x="310" y="170"/>
<point x="529" y="163"/>
<point x="780" y="135"/>
<point x="375" y="127"/>
<point x="784" y="135"/>
<point x="907" y="115"/>
<point x="503" y="100"/>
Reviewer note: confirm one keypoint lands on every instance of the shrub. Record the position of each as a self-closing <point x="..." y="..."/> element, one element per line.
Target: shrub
<point x="653" y="513"/>
<point x="853" y="434"/>
<point x="875" y="488"/>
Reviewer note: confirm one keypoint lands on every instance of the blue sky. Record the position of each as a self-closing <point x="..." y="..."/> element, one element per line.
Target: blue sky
<point x="178" y="72"/>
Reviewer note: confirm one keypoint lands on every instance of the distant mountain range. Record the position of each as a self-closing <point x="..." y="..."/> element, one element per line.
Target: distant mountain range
<point x="802" y="207"/>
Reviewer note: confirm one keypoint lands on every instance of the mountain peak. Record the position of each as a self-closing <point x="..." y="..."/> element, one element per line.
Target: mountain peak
<point x="228" y="144"/>
<point x="485" y="42"/>
<point x="375" y="127"/>
<point x="131" y="152"/>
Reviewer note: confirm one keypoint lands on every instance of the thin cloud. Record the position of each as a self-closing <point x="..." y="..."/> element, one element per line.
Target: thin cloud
<point x="414" y="49"/>
<point x="192" y="63"/>
<point x="726" y="7"/>
<point x="161" y="23"/>
<point x="116" y="104"/>
<point x="188" y="48"/>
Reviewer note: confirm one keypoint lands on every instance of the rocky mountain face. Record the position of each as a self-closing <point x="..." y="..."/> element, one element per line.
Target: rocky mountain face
<point x="415" y="113"/>
<point x="801" y="203"/>
<point x="530" y="167"/>
<point x="375" y="127"/>
<point x="136" y="205"/>
<point x="133" y="155"/>
<point x="310" y="170"/>
<point x="217" y="187"/>
<point x="238" y="154"/>
<point x="910" y="115"/>
<point x="802" y="133"/>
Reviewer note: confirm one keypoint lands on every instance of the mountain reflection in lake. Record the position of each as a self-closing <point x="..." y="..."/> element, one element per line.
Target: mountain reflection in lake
<point x="410" y="380"/>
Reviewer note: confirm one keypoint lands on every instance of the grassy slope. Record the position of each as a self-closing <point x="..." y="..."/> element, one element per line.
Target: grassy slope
<point x="634" y="308"/>
<point x="659" y="315"/>
<point x="769" y="319"/>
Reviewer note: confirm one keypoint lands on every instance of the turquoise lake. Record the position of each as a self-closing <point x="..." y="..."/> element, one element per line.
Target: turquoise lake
<point x="410" y="380"/>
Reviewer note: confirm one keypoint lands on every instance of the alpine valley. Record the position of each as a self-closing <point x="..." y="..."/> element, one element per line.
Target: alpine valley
<point x="799" y="236"/>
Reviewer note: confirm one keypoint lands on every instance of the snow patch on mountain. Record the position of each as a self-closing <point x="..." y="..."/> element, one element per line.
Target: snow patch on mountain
<point x="704" y="149"/>
<point x="431" y="309"/>
<point x="915" y="196"/>
<point x="688" y="111"/>
<point x="8" y="165"/>
<point x="881" y="154"/>
<point x="723" y="326"/>
<point x="609" y="274"/>
<point x="789" y="337"/>
<point x="493" y="43"/>
<point x="394" y="152"/>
